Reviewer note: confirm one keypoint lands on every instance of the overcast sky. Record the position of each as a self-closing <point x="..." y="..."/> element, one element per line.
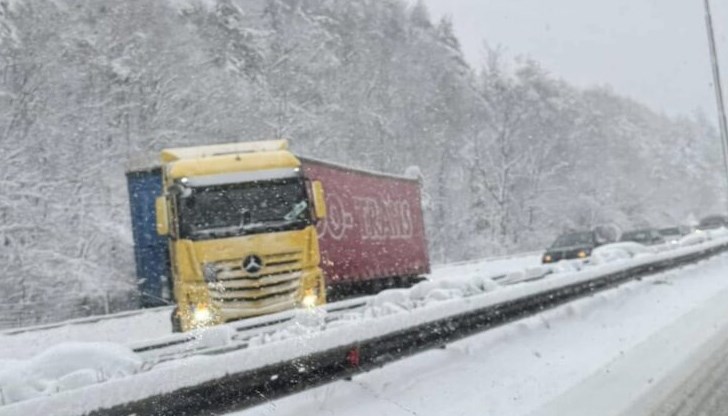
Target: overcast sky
<point x="652" y="50"/>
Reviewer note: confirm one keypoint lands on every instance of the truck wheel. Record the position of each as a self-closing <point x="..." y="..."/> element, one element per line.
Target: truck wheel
<point x="176" y="323"/>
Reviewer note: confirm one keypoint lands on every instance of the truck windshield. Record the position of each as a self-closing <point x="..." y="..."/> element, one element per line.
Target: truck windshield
<point x="243" y="208"/>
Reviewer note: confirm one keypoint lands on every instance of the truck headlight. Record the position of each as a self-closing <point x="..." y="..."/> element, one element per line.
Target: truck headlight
<point x="582" y="254"/>
<point x="547" y="258"/>
<point x="310" y="298"/>
<point x="201" y="314"/>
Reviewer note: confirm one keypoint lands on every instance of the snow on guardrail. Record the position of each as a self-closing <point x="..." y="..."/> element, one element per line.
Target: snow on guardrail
<point x="65" y="367"/>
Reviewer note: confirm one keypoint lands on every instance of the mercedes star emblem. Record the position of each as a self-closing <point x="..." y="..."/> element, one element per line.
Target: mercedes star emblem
<point x="252" y="264"/>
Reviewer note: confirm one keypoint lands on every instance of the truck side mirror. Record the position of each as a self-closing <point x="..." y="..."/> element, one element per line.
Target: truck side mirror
<point x="160" y="206"/>
<point x="319" y="201"/>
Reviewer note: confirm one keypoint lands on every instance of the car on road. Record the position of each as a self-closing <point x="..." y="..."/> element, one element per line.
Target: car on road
<point x="713" y="222"/>
<point x="573" y="245"/>
<point x="646" y="236"/>
<point x="673" y="235"/>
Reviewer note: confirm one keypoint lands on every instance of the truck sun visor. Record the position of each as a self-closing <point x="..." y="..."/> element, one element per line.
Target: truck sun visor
<point x="238" y="177"/>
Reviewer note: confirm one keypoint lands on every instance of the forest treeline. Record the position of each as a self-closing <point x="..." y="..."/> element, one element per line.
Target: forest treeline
<point x="510" y="155"/>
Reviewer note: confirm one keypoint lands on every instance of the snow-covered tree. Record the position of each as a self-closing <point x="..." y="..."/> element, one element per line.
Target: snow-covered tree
<point x="509" y="154"/>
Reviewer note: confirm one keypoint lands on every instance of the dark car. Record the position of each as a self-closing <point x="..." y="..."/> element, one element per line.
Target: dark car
<point x="713" y="222"/>
<point x="647" y="236"/>
<point x="576" y="245"/>
<point x="674" y="234"/>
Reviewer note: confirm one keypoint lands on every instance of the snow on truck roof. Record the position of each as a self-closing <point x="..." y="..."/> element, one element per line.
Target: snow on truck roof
<point x="145" y="162"/>
<point x="142" y="162"/>
<point x="232" y="162"/>
<point x="358" y="170"/>
<point x="197" y="152"/>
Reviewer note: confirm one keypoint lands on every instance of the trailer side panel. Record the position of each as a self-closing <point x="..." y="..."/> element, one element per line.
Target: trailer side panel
<point x="374" y="229"/>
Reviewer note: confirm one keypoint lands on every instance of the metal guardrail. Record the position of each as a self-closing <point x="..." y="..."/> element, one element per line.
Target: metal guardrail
<point x="82" y="321"/>
<point x="12" y="316"/>
<point x="243" y="389"/>
<point x="181" y="345"/>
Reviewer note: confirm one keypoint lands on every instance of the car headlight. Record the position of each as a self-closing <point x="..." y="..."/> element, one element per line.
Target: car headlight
<point x="547" y="258"/>
<point x="582" y="254"/>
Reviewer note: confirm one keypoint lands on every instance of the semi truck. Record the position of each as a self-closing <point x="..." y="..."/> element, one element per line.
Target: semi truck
<point x="237" y="230"/>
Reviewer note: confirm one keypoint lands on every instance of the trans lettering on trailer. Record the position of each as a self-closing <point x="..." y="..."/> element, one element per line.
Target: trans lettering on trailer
<point x="384" y="218"/>
<point x="381" y="218"/>
<point x="374" y="228"/>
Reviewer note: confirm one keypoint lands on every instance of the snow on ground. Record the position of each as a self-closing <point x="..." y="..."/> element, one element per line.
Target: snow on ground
<point x="619" y="251"/>
<point x="515" y="369"/>
<point x="21" y="349"/>
<point x="132" y="327"/>
<point x="654" y="372"/>
<point x="124" y="328"/>
<point x="385" y="313"/>
<point x="65" y="367"/>
<point x="504" y="270"/>
<point x="173" y="375"/>
<point x="492" y="267"/>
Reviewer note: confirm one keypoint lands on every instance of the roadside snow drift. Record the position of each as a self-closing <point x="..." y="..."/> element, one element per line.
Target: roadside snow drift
<point x="310" y="331"/>
<point x="515" y="369"/>
<point x="65" y="367"/>
<point x="619" y="251"/>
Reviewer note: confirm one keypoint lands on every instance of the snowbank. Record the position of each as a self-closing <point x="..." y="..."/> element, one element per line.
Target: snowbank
<point x="124" y="327"/>
<point x="538" y="272"/>
<point x="618" y="252"/>
<point x="65" y="367"/>
<point x="693" y="239"/>
<point x="516" y="369"/>
<point x="700" y="237"/>
<point x="385" y="313"/>
<point x="427" y="292"/>
<point x="718" y="233"/>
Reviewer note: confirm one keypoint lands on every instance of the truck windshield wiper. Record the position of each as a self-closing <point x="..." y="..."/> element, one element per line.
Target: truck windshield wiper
<point x="296" y="211"/>
<point x="220" y="231"/>
<point x="243" y="228"/>
<point x="270" y="224"/>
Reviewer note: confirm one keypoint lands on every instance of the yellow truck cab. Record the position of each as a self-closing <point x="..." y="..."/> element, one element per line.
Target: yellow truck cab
<point x="240" y="219"/>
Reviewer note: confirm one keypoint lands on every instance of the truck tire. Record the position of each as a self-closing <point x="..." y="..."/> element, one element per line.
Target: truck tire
<point x="176" y="324"/>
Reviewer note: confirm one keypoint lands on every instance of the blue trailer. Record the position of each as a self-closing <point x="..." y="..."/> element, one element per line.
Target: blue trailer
<point x="151" y="251"/>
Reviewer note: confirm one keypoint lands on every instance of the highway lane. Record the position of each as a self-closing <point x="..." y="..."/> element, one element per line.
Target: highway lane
<point x="705" y="392"/>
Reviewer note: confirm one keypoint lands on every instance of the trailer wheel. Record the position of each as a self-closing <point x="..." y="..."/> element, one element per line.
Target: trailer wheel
<point x="176" y="323"/>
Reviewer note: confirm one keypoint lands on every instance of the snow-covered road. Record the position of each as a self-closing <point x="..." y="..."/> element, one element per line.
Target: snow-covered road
<point x="704" y="392"/>
<point x="461" y="288"/>
<point x="520" y="368"/>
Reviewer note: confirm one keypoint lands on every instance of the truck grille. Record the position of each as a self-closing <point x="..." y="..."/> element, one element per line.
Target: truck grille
<point x="277" y="281"/>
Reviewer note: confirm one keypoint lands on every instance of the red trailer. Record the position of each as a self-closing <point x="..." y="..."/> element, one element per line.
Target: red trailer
<point x="374" y="234"/>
